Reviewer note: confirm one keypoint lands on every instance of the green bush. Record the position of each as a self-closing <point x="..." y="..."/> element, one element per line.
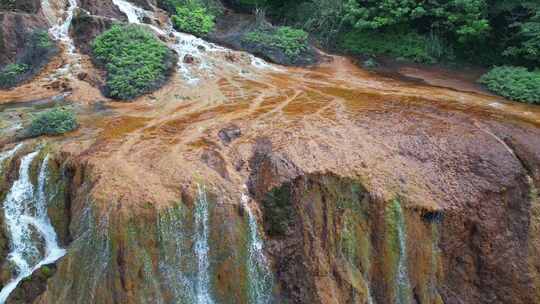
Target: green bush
<point x="407" y="46"/>
<point x="289" y="40"/>
<point x="516" y="83"/>
<point x="53" y="122"/>
<point x="193" y="19"/>
<point x="135" y="60"/>
<point x="11" y="72"/>
<point x="215" y="7"/>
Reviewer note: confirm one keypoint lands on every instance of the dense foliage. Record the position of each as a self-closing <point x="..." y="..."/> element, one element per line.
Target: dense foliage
<point x="516" y="83"/>
<point x="291" y="41"/>
<point x="484" y="32"/>
<point x="403" y="46"/>
<point x="53" y="122"/>
<point x="194" y="19"/>
<point x="214" y="7"/>
<point x="135" y="60"/>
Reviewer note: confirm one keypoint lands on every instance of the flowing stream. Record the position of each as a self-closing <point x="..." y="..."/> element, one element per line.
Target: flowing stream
<point x="186" y="44"/>
<point x="60" y="32"/>
<point x="260" y="276"/>
<point x="33" y="241"/>
<point x="202" y="287"/>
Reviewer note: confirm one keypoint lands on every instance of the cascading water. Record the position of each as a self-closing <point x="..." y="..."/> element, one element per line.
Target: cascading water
<point x="260" y="276"/>
<point x="25" y="212"/>
<point x="202" y="286"/>
<point x="60" y="32"/>
<point x="186" y="44"/>
<point x="402" y="279"/>
<point x="133" y="13"/>
<point x="7" y="154"/>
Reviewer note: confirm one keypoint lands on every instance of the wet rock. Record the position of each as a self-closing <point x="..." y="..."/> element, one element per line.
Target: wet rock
<point x="19" y="43"/>
<point x="231" y="29"/>
<point x="86" y="27"/>
<point x="82" y="76"/>
<point x="30" y="288"/>
<point x="215" y="161"/>
<point x="230" y="133"/>
<point x="189" y="59"/>
<point x="27" y="6"/>
<point x="103" y="8"/>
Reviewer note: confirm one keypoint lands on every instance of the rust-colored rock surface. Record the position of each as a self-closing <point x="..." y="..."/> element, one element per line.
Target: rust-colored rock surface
<point x="364" y="188"/>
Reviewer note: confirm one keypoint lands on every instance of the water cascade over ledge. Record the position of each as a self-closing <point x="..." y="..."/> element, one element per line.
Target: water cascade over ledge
<point x="202" y="287"/>
<point x="33" y="241"/>
<point x="259" y="273"/>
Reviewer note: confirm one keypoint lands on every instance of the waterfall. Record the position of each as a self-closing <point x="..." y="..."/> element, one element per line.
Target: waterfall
<point x="402" y="279"/>
<point x="202" y="287"/>
<point x="9" y="153"/>
<point x="186" y="44"/>
<point x="259" y="274"/>
<point x="60" y="32"/>
<point x="25" y="212"/>
<point x="133" y="13"/>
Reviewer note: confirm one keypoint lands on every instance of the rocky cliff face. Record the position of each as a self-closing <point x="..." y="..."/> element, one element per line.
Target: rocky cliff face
<point x="267" y="184"/>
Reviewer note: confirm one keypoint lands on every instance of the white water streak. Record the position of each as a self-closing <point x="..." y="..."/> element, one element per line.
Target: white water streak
<point x="60" y="32"/>
<point x="25" y="212"/>
<point x="403" y="282"/>
<point x="202" y="249"/>
<point x="185" y="44"/>
<point x="8" y="154"/>
<point x="260" y="276"/>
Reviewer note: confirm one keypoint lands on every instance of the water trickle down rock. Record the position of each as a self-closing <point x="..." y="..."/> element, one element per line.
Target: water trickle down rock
<point x="25" y="212"/>
<point x="175" y="257"/>
<point x="187" y="45"/>
<point x="9" y="153"/>
<point x="60" y="32"/>
<point x="398" y="246"/>
<point x="260" y="276"/>
<point x="202" y="286"/>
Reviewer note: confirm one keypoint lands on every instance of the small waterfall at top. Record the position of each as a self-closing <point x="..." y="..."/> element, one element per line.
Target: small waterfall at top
<point x="185" y="44"/>
<point x="260" y="276"/>
<point x="60" y="32"/>
<point x="133" y="13"/>
<point x="202" y="287"/>
<point x="33" y="241"/>
<point x="402" y="278"/>
<point x="7" y="154"/>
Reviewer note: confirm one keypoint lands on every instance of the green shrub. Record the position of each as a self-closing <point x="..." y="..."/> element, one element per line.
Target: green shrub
<point x="53" y="122"/>
<point x="516" y="83"/>
<point x="135" y="60"/>
<point x="11" y="72"/>
<point x="215" y="7"/>
<point x="289" y="40"/>
<point x="409" y="46"/>
<point x="193" y="19"/>
<point x="278" y="210"/>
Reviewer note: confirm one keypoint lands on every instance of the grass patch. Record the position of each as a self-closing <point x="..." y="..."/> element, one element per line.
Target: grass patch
<point x="11" y="72"/>
<point x="516" y="83"/>
<point x="38" y="48"/>
<point x="194" y="19"/>
<point x="408" y="46"/>
<point x="135" y="60"/>
<point x="289" y="40"/>
<point x="53" y="122"/>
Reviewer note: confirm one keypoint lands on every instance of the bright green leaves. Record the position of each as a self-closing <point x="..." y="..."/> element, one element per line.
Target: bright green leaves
<point x="135" y="60"/>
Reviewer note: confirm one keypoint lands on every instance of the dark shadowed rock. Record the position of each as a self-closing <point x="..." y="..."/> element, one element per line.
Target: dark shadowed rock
<point x="230" y="133"/>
